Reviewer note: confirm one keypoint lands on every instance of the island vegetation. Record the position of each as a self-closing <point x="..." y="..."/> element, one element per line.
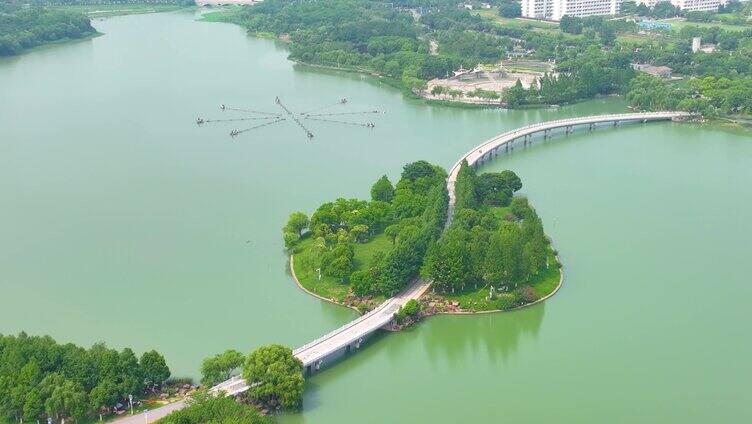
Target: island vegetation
<point x="41" y="378"/>
<point x="23" y="28"/>
<point x="494" y="255"/>
<point x="358" y="252"/>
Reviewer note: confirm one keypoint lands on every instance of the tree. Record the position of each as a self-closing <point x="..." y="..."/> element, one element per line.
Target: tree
<point x="33" y="406"/>
<point x="413" y="171"/>
<point x="105" y="394"/>
<point x="66" y="400"/>
<point x="628" y="8"/>
<point x="291" y="240"/>
<point x="296" y="223"/>
<point x="510" y="9"/>
<point x="464" y="188"/>
<point x="363" y="282"/>
<point x="515" y="95"/>
<point x="511" y="180"/>
<point x="382" y="190"/>
<point x="275" y="376"/>
<point x="571" y="24"/>
<point x="154" y="369"/>
<point x="220" y="367"/>
<point x="493" y="189"/>
<point x="359" y="233"/>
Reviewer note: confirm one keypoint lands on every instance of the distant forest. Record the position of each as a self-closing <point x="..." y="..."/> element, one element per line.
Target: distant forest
<point x="25" y="27"/>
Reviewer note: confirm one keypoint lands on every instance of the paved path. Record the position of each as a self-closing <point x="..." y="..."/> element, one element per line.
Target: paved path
<point x="150" y="416"/>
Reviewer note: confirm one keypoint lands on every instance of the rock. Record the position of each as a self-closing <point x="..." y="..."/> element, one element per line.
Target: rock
<point x="456" y="304"/>
<point x="431" y="304"/>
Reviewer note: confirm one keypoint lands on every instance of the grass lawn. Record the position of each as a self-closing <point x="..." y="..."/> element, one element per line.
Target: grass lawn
<point x="536" y="25"/>
<point x="103" y="10"/>
<point x="678" y="24"/>
<point x="330" y="287"/>
<point x="475" y="299"/>
<point x="227" y="14"/>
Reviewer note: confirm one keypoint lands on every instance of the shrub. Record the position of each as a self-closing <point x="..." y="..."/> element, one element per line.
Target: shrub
<point x="505" y="301"/>
<point x="528" y="295"/>
<point x="411" y="309"/>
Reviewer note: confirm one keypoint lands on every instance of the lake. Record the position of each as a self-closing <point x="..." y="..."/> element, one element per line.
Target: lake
<point x="123" y="221"/>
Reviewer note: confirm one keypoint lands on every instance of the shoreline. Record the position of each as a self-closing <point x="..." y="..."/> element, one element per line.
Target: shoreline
<point x="465" y="312"/>
<point x="396" y="83"/>
<point x="300" y="286"/>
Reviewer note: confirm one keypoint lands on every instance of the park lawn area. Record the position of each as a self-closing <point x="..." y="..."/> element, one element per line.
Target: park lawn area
<point x="678" y="24"/>
<point x="228" y="14"/>
<point x="104" y="10"/>
<point x="475" y="299"/>
<point x="536" y="25"/>
<point x="330" y="287"/>
<point x="500" y="211"/>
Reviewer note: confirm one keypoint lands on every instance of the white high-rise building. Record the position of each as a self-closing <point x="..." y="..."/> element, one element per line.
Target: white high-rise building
<point x="697" y="5"/>
<point x="688" y="5"/>
<point x="555" y="9"/>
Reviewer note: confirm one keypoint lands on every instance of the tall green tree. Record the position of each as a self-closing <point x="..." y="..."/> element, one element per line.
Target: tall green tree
<point x="220" y="367"/>
<point x="154" y="369"/>
<point x="275" y="376"/>
<point x="382" y="190"/>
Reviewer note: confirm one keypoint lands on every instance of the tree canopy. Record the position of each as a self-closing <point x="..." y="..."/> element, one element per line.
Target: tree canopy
<point x="41" y="378"/>
<point x="24" y="28"/>
<point x="220" y="367"/>
<point x="275" y="376"/>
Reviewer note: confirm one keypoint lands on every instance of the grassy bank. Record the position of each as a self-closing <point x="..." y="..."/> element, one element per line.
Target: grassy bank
<point x="329" y="287"/>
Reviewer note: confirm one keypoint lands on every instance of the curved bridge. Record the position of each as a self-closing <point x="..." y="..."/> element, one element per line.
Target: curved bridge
<point x="491" y="148"/>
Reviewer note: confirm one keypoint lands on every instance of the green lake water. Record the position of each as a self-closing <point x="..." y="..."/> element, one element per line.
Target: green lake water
<point x="122" y="221"/>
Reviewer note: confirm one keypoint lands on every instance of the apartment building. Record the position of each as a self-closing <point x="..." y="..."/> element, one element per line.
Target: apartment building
<point x="555" y="9"/>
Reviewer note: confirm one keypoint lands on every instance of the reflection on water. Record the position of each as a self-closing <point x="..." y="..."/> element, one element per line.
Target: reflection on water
<point x="486" y="337"/>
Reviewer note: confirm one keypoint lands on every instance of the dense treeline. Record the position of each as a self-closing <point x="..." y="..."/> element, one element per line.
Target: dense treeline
<point x="411" y="214"/>
<point x="40" y="378"/>
<point x="23" y="28"/>
<point x="373" y="36"/>
<point x="483" y="248"/>
<point x="719" y="83"/>
<point x="582" y="74"/>
<point x="590" y="58"/>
